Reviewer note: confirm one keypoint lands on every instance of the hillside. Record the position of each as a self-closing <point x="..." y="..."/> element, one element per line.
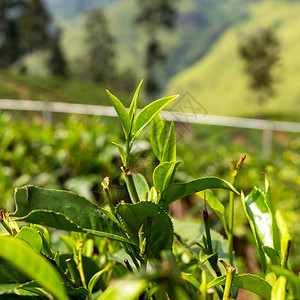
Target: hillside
<point x="218" y="81"/>
<point x="199" y="24"/>
<point x="19" y="86"/>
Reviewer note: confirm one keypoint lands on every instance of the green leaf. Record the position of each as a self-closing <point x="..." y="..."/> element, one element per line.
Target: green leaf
<point x="275" y="229"/>
<point x="157" y="125"/>
<point x="122" y="113"/>
<point x="149" y="112"/>
<point x="249" y="282"/>
<point x="133" y="106"/>
<point x="141" y="186"/>
<point x="169" y="152"/>
<point x="162" y="175"/>
<point x="156" y="224"/>
<point x="31" y="237"/>
<point x="191" y="279"/>
<point x="216" y="205"/>
<point x="95" y="278"/>
<point x="64" y="210"/>
<point x="272" y="254"/>
<point x="126" y="289"/>
<point x="121" y="152"/>
<point x="19" y="254"/>
<point x="285" y="236"/>
<point x="293" y="279"/>
<point x="260" y="222"/>
<point x="179" y="190"/>
<point x="279" y="289"/>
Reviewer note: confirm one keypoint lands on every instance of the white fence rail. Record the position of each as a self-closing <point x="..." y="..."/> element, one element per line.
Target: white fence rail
<point x="48" y="108"/>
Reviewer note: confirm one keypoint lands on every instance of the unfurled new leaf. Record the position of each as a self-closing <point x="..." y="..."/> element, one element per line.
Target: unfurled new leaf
<point x="133" y="106"/>
<point x="156" y="128"/>
<point x="122" y="113"/>
<point x="179" y="190"/>
<point x="162" y="175"/>
<point x="149" y="112"/>
<point x="169" y="151"/>
<point x="122" y="153"/>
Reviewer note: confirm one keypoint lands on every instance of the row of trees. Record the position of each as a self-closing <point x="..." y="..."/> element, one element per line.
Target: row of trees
<point x="25" y="27"/>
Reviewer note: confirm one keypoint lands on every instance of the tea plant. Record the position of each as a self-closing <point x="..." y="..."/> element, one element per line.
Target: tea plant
<point x="136" y="249"/>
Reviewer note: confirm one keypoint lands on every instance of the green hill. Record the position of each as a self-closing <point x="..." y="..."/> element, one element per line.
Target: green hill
<point x="19" y="86"/>
<point x="218" y="81"/>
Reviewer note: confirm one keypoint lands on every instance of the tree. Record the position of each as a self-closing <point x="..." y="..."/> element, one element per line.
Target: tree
<point x="101" y="66"/>
<point x="10" y="48"/>
<point x="35" y="26"/>
<point x="155" y="15"/>
<point x="260" y="53"/>
<point x="57" y="62"/>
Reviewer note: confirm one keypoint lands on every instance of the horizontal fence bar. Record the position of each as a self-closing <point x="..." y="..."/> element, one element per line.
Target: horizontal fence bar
<point x="85" y="109"/>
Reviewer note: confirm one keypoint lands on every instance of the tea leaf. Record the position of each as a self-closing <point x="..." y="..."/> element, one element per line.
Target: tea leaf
<point x="149" y="112"/>
<point x="31" y="237"/>
<point x="249" y="282"/>
<point x="293" y="279"/>
<point x="279" y="289"/>
<point x="157" y="125"/>
<point x="64" y="210"/>
<point x="169" y="151"/>
<point x="272" y="254"/>
<point x="122" y="113"/>
<point x="19" y="254"/>
<point x="141" y="185"/>
<point x="133" y="106"/>
<point x="179" y="190"/>
<point x="156" y="224"/>
<point x="260" y="222"/>
<point x="121" y="152"/>
<point x="162" y="175"/>
<point x="216" y="205"/>
<point x="126" y="289"/>
<point x="285" y="237"/>
<point x="275" y="229"/>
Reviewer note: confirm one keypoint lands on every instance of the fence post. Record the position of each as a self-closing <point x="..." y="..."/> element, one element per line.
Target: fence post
<point x="267" y="139"/>
<point x="47" y="113"/>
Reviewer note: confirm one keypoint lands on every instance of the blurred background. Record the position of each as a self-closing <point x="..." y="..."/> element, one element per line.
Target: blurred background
<point x="235" y="58"/>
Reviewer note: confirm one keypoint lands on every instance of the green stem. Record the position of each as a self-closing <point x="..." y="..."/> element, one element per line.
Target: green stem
<point x="131" y="185"/>
<point x="213" y="260"/>
<point x="229" y="280"/>
<point x="231" y="215"/>
<point x="71" y="270"/>
<point x="79" y="264"/>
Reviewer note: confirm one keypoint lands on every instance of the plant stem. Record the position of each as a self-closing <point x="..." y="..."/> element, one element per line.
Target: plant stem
<point x="229" y="279"/>
<point x="131" y="185"/>
<point x="71" y="270"/>
<point x="231" y="215"/>
<point x="213" y="260"/>
<point x="79" y="263"/>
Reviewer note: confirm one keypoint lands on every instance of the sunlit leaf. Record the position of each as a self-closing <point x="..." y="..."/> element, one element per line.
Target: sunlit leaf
<point x="32" y="264"/>
<point x="149" y="112"/>
<point x="133" y="106"/>
<point x="279" y="289"/>
<point x="249" y="282"/>
<point x="122" y="113"/>
<point x="169" y="150"/>
<point x="179" y="190"/>
<point x="126" y="289"/>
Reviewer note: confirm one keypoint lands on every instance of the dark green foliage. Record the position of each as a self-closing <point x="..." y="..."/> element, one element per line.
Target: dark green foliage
<point x="260" y="53"/>
<point x="34" y="26"/>
<point x="155" y="16"/>
<point x="57" y="62"/>
<point x="100" y="64"/>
